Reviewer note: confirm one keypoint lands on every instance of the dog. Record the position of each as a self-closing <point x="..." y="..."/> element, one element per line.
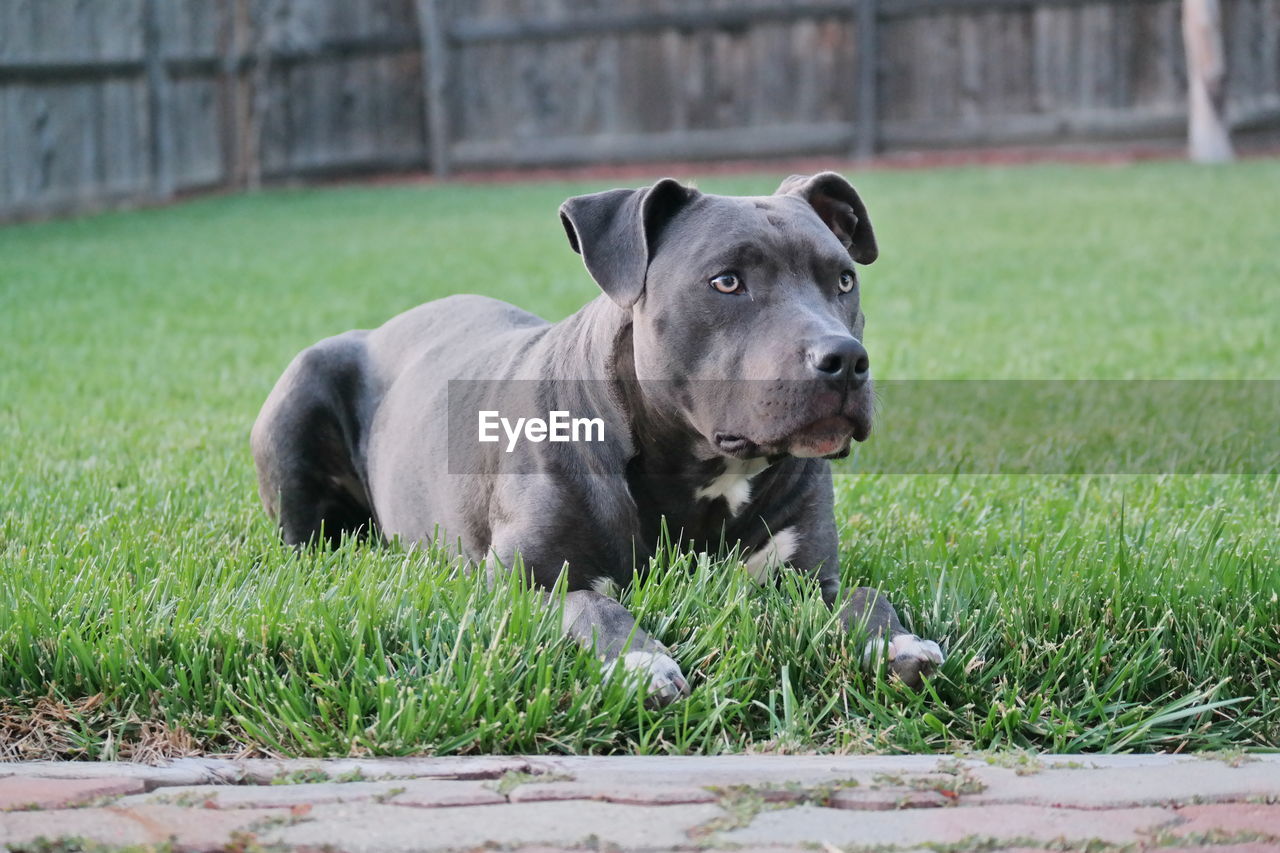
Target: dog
<point x="723" y="361"/>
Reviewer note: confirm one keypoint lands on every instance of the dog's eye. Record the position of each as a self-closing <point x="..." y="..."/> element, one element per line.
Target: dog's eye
<point x="847" y="281"/>
<point x="727" y="282"/>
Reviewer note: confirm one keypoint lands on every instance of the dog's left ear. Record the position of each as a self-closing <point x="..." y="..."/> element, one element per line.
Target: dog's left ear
<point x="617" y="231"/>
<point x="838" y="204"/>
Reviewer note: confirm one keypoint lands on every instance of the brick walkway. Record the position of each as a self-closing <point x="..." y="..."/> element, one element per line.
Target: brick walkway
<point x="773" y="803"/>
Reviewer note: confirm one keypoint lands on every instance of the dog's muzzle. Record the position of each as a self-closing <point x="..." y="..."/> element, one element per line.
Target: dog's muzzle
<point x="800" y="418"/>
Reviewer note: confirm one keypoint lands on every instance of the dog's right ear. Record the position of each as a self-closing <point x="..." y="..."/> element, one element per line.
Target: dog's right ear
<point x="616" y="232"/>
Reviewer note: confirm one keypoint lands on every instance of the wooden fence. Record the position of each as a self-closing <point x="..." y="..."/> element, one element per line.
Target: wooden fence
<point x="106" y="100"/>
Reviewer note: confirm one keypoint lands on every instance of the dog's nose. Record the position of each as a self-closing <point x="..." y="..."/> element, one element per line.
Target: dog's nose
<point x="840" y="357"/>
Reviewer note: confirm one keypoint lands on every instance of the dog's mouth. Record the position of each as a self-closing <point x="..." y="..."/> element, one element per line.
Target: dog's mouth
<point x="734" y="445"/>
<point x="793" y="418"/>
<point x="827" y="437"/>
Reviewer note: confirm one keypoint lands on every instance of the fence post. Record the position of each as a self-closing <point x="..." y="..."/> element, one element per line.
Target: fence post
<point x="435" y="70"/>
<point x="160" y="139"/>
<point x="228" y="99"/>
<point x="866" y="129"/>
<point x="1208" y="136"/>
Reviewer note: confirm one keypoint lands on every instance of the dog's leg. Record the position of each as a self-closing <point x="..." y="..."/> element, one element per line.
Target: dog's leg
<point x="597" y="621"/>
<point x="869" y="614"/>
<point x="304" y="444"/>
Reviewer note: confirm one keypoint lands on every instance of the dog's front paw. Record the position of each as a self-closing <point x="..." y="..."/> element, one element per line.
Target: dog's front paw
<point x="910" y="658"/>
<point x="665" y="680"/>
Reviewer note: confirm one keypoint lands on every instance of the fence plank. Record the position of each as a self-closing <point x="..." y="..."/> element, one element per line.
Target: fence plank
<point x="160" y="145"/>
<point x="435" y="71"/>
<point x="866" y="125"/>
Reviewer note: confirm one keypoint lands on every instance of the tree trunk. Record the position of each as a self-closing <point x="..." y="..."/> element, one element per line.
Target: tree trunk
<point x="1208" y="140"/>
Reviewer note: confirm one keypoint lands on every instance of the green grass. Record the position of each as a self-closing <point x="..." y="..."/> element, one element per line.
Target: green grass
<point x="146" y="606"/>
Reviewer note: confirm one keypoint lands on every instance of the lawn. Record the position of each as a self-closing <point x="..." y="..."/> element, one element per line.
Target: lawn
<point x="147" y="608"/>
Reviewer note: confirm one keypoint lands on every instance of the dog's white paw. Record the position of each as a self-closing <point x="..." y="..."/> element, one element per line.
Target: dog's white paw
<point x="666" y="681"/>
<point x="910" y="658"/>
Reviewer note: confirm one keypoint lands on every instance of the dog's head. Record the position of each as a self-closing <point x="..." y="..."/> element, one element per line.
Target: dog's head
<point x="745" y="313"/>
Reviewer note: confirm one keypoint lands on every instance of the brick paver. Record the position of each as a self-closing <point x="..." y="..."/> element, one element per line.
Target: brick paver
<point x="627" y="794"/>
<point x="951" y="826"/>
<point x="1200" y="779"/>
<point x="1225" y="818"/>
<point x="17" y="792"/>
<point x="437" y="793"/>
<point x="388" y="829"/>
<point x="185" y="828"/>
<point x="766" y="803"/>
<point x="1248" y="847"/>
<point x="886" y="799"/>
<point x="264" y="796"/>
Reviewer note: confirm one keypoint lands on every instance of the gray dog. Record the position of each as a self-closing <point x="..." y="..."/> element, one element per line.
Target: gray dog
<point x="723" y="363"/>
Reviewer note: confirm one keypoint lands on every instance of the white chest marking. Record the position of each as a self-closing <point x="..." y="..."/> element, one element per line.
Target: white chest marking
<point x="775" y="553"/>
<point x="734" y="485"/>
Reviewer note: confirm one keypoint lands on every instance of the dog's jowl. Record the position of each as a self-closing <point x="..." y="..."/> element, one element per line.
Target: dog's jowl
<point x="720" y="369"/>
